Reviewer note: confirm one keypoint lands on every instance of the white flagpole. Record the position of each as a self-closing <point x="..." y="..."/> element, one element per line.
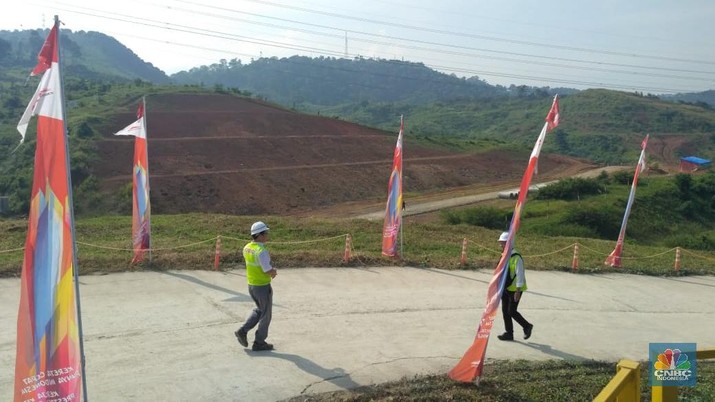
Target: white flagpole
<point x="148" y="185"/>
<point x="401" y="240"/>
<point x="402" y="188"/>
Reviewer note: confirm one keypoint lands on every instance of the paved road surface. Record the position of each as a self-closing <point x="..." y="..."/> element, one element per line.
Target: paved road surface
<point x="153" y="336"/>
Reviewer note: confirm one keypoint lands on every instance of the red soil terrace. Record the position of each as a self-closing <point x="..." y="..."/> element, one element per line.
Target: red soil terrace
<point x="224" y="154"/>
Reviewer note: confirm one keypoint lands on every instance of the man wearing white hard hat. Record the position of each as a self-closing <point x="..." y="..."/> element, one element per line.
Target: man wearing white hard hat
<point x="513" y="288"/>
<point x="259" y="274"/>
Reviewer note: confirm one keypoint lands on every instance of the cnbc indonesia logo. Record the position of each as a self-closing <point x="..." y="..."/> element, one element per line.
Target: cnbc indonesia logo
<point x="673" y="364"/>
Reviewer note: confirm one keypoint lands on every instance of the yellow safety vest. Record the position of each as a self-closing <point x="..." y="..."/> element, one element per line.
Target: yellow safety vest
<point x="254" y="271"/>
<point x="512" y="273"/>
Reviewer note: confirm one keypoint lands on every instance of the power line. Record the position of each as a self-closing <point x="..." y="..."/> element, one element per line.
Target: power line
<point x="469" y="48"/>
<point x="322" y="51"/>
<point x="468" y="35"/>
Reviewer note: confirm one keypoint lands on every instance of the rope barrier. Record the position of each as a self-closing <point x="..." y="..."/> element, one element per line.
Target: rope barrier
<point x="105" y="247"/>
<point x="186" y="245"/>
<point x="235" y="238"/>
<point x="648" y="256"/>
<point x="697" y="255"/>
<point x="353" y="254"/>
<point x="595" y="251"/>
<point x="290" y="242"/>
<point x="490" y="249"/>
<point x="147" y="249"/>
<point x="553" y="252"/>
<point x="310" y="241"/>
<point x="12" y="250"/>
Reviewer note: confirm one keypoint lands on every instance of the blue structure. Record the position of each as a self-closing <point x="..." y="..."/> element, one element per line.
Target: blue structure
<point x="693" y="163"/>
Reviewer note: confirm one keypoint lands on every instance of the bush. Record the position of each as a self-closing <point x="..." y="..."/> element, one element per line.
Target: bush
<point x="703" y="241"/>
<point x="622" y="177"/>
<point x="604" y="221"/>
<point x="571" y="189"/>
<point x="560" y="229"/>
<point x="488" y="217"/>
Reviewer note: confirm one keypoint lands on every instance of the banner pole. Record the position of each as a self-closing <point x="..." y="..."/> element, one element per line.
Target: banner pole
<point x="144" y="122"/>
<point x="401" y="240"/>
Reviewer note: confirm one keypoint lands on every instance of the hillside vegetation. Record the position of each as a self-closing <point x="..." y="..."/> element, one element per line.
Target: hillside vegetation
<point x="85" y="55"/>
<point x="508" y="124"/>
<point x="674" y="211"/>
<point x="601" y="125"/>
<point x="104" y="80"/>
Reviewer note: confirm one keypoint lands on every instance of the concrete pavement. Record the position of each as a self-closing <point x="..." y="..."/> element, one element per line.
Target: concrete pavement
<point x="168" y="336"/>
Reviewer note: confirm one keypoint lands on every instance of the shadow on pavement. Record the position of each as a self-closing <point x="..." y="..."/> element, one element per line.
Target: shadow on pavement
<point x="238" y="297"/>
<point x="690" y="282"/>
<point x="442" y="272"/>
<point x="337" y="375"/>
<point x="529" y="292"/>
<point x="547" y="349"/>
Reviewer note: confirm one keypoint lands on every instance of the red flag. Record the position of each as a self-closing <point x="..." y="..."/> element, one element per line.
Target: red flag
<point x="47" y="88"/>
<point x="47" y="54"/>
<point x="552" y="119"/>
<point x="470" y="366"/>
<point x="614" y="259"/>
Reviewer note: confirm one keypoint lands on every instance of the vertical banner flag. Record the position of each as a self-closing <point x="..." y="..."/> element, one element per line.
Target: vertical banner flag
<point x="48" y="362"/>
<point x="614" y="259"/>
<point x="470" y="366"/>
<point x="393" y="210"/>
<point x="141" y="208"/>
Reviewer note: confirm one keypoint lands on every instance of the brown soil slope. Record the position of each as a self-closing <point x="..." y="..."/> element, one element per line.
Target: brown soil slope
<point x="224" y="154"/>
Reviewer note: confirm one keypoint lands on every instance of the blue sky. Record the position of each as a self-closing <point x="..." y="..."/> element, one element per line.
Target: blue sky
<point x="650" y="46"/>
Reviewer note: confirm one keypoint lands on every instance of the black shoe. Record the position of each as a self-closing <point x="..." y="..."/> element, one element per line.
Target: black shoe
<point x="506" y="336"/>
<point x="257" y="347"/>
<point x="527" y="331"/>
<point x="242" y="339"/>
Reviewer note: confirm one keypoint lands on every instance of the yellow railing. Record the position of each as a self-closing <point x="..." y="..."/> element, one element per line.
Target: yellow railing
<point x="670" y="394"/>
<point x="625" y="386"/>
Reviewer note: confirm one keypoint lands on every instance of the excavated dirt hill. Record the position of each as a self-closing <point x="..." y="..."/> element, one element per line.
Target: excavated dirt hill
<point x="224" y="154"/>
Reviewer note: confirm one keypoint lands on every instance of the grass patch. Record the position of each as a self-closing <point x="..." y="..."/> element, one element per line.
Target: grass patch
<point x="520" y="380"/>
<point x="188" y="242"/>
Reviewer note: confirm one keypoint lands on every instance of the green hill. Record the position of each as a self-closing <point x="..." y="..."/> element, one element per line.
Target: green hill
<point x="85" y="55"/>
<point x="602" y="125"/>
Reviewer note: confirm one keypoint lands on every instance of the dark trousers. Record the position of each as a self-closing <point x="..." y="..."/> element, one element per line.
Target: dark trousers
<point x="508" y="310"/>
<point x="262" y="314"/>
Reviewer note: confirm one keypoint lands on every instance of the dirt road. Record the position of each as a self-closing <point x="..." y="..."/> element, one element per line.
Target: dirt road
<point x="420" y="206"/>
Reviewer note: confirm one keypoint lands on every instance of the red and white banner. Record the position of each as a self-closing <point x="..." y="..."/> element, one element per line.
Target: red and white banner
<point x="614" y="259"/>
<point x="141" y="206"/>
<point x="470" y="366"/>
<point x="48" y="364"/>
<point x="393" y="209"/>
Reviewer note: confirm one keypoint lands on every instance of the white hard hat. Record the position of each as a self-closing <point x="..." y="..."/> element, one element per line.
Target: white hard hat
<point x="504" y="236"/>
<point x="258" y="227"/>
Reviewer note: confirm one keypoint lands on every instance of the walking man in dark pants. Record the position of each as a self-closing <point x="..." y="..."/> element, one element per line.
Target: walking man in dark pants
<point x="259" y="274"/>
<point x="514" y="287"/>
